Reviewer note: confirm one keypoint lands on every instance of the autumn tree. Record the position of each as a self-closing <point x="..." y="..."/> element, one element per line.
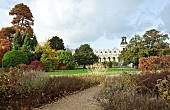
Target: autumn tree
<point x="5" y="45"/>
<point x="23" y="19"/>
<point x="7" y="33"/>
<point x="57" y="43"/>
<point x="84" y="55"/>
<point x="49" y="57"/>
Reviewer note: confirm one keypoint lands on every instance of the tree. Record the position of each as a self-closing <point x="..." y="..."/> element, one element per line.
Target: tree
<point x="132" y="52"/>
<point x="66" y="59"/>
<point x="7" y="33"/>
<point x="49" y="57"/>
<point x="5" y="46"/>
<point x="152" y="43"/>
<point x="27" y="43"/>
<point x="84" y="55"/>
<point x="23" y="19"/>
<point x="155" y="43"/>
<point x="57" y="43"/>
<point x="17" y="43"/>
<point x="34" y="42"/>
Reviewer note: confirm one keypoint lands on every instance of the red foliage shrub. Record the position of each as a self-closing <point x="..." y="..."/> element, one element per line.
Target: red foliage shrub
<point x="154" y="63"/>
<point x="36" y="65"/>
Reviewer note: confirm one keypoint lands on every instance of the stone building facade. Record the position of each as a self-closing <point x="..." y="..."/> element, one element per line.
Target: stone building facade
<point x="111" y="54"/>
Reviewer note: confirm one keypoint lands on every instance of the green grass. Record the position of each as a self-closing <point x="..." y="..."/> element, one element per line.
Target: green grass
<point x="120" y="70"/>
<point x="79" y="71"/>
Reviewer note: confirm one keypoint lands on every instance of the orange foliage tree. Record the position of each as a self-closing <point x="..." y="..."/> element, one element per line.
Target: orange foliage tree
<point x="7" y="33"/>
<point x="5" y="45"/>
<point x="23" y="19"/>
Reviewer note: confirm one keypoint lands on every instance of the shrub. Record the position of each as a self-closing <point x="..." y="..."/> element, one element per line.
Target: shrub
<point x="110" y="64"/>
<point x="4" y="70"/>
<point x="154" y="63"/>
<point x="31" y="89"/>
<point x="22" y="67"/>
<point x="14" y="57"/>
<point x="147" y="82"/>
<point x="35" y="65"/>
<point x="66" y="59"/>
<point x="96" y="68"/>
<point x="121" y="94"/>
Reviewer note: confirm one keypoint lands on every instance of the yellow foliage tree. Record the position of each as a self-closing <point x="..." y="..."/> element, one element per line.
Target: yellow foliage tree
<point x="49" y="57"/>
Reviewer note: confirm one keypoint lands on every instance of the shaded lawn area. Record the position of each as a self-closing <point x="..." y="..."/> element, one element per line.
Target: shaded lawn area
<point x="80" y="71"/>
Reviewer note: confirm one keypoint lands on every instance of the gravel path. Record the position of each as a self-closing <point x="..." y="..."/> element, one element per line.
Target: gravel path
<point x="83" y="100"/>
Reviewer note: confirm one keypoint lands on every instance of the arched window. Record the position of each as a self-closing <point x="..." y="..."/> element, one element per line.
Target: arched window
<point x="104" y="58"/>
<point x="109" y="58"/>
<point x="100" y="59"/>
<point x="114" y="58"/>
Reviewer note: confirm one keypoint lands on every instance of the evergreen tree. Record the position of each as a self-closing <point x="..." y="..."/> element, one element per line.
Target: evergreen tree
<point x="23" y="38"/>
<point x="84" y="55"/>
<point x="34" y="42"/>
<point x="57" y="43"/>
<point x="17" y="41"/>
<point x="27" y="42"/>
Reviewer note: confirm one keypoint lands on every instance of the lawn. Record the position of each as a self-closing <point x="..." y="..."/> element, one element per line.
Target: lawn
<point x="79" y="71"/>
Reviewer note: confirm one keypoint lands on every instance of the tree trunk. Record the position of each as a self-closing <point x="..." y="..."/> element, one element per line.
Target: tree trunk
<point x="84" y="66"/>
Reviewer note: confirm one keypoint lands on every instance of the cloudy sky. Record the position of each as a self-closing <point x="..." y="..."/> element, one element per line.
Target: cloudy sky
<point x="100" y="23"/>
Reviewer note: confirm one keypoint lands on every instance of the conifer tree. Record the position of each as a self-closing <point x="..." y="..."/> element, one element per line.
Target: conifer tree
<point x="34" y="42"/>
<point x="27" y="42"/>
<point x="17" y="41"/>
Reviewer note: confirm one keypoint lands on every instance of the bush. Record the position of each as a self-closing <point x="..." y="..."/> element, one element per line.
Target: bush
<point x="26" y="90"/>
<point x="110" y="64"/>
<point x="121" y="94"/>
<point x="147" y="82"/>
<point x="96" y="68"/>
<point x="154" y="63"/>
<point x="14" y="57"/>
<point x="66" y="59"/>
<point x="35" y="65"/>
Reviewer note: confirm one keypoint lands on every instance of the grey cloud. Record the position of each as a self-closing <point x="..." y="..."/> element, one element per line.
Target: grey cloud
<point x="165" y="16"/>
<point x="79" y="21"/>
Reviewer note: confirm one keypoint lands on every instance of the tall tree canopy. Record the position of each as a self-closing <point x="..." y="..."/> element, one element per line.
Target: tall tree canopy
<point x="84" y="55"/>
<point x="152" y="43"/>
<point x="57" y="43"/>
<point x="7" y="33"/>
<point x="23" y="19"/>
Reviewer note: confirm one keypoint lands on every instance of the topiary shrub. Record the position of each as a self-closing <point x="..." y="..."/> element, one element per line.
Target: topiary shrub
<point x="14" y="57"/>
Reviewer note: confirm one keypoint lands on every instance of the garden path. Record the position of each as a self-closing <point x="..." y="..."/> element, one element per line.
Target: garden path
<point x="84" y="100"/>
